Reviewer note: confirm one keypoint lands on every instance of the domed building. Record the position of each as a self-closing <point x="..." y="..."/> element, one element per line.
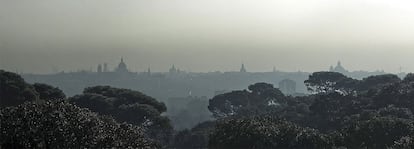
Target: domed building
<point x="122" y="68"/>
<point x="339" y="68"/>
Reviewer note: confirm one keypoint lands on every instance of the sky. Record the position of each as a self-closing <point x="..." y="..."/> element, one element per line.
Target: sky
<point x="46" y="36"/>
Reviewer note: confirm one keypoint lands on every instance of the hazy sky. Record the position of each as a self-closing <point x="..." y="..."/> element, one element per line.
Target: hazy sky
<point x="44" y="36"/>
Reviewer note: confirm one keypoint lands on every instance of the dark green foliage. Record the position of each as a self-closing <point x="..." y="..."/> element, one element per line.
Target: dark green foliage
<point x="196" y="138"/>
<point x="405" y="142"/>
<point x="126" y="96"/>
<point x="376" y="132"/>
<point x="399" y="94"/>
<point x="14" y="90"/>
<point x="124" y="104"/>
<point x="47" y="92"/>
<point x="228" y="104"/>
<point x="263" y="133"/>
<point x="371" y="113"/>
<point x="260" y="96"/>
<point x="62" y="125"/>
<point x="136" y="113"/>
<point x="375" y="112"/>
<point x="373" y="84"/>
<point x="128" y="106"/>
<point x="396" y="112"/>
<point x="328" y="82"/>
<point x="94" y="102"/>
<point x="328" y="111"/>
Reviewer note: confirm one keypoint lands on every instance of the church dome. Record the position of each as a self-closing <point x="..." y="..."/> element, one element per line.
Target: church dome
<point x="122" y="66"/>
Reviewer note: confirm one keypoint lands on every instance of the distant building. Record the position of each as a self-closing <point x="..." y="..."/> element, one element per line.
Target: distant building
<point x="339" y="68"/>
<point x="105" y="67"/>
<point x="149" y="71"/>
<point x="174" y="70"/>
<point x="122" y="68"/>
<point x="243" y="69"/>
<point x="287" y="86"/>
<point x="99" y="69"/>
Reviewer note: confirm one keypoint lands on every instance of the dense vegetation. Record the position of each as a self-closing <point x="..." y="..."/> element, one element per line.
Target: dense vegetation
<point x="39" y="116"/>
<point x="14" y="90"/>
<point x="128" y="106"/>
<point x="341" y="112"/>
<point x="62" y="125"/>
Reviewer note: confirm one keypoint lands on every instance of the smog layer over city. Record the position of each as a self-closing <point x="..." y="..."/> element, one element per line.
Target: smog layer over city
<point x="207" y="74"/>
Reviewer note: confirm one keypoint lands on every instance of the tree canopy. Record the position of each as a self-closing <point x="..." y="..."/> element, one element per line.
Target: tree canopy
<point x="259" y="96"/>
<point x="125" y="105"/>
<point x="129" y="106"/>
<point x="14" y="90"/>
<point x="47" y="92"/>
<point x="328" y="82"/>
<point x="58" y="124"/>
<point x="265" y="133"/>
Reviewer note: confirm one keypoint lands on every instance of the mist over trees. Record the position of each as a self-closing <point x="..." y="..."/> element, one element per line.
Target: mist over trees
<point x="206" y="74"/>
<point x="181" y="91"/>
<point x="341" y="112"/>
<point x="40" y="116"/>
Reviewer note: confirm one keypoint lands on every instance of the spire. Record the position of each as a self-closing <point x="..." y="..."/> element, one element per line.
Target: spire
<point x="173" y="69"/>
<point x="339" y="63"/>
<point x="243" y="69"/>
<point x="122" y="59"/>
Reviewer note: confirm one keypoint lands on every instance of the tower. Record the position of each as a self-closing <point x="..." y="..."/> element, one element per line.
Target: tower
<point x="242" y="69"/>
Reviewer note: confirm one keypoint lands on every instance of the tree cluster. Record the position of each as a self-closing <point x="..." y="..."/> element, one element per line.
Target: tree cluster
<point x="14" y="90"/>
<point x="128" y="106"/>
<point x="375" y="112"/>
<point x="58" y="124"/>
<point x="40" y="116"/>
